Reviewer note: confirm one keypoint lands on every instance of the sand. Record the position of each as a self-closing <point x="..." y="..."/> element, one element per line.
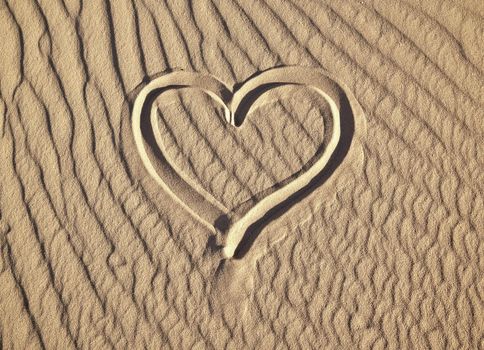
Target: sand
<point x="241" y="174"/>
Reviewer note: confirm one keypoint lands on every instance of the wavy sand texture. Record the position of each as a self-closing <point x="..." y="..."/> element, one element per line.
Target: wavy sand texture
<point x="386" y="252"/>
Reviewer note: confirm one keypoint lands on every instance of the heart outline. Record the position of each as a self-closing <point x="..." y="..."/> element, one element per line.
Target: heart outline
<point x="232" y="100"/>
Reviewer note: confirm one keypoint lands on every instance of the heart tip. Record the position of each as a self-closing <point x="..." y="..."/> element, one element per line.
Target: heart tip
<point x="228" y="252"/>
<point x="229" y="117"/>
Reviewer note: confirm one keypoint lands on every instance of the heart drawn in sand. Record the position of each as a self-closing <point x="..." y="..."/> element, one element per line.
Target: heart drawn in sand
<point x="237" y="105"/>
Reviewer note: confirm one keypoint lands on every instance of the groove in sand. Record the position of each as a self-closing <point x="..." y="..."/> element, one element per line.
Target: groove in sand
<point x="236" y="106"/>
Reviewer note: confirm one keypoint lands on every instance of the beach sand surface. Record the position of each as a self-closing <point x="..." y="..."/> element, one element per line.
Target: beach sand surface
<point x="231" y="174"/>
